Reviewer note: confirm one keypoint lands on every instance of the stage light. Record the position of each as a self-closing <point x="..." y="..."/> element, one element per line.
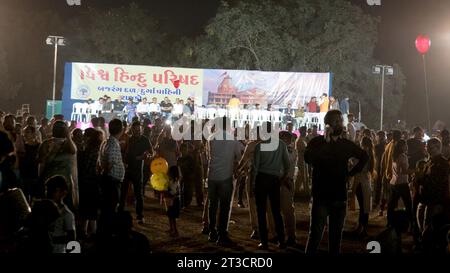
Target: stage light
<point x="383" y="70"/>
<point x="54" y="41"/>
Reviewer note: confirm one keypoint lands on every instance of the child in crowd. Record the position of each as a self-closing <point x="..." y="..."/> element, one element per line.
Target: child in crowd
<point x="172" y="197"/>
<point x="64" y="226"/>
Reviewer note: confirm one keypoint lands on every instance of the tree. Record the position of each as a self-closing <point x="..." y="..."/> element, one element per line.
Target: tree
<point x="126" y="35"/>
<point x="8" y="88"/>
<point x="304" y="36"/>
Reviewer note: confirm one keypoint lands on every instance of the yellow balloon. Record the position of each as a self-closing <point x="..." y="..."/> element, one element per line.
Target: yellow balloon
<point x="159" y="165"/>
<point x="160" y="181"/>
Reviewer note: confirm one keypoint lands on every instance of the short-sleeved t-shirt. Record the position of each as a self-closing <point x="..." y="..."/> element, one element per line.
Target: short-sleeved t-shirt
<point x="163" y="104"/>
<point x="65" y="223"/>
<point x="137" y="146"/>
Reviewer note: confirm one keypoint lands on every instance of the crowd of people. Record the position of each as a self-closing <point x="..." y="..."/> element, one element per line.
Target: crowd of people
<point x="59" y="183"/>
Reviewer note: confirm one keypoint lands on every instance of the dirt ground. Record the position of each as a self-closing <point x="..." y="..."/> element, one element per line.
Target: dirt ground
<point x="190" y="239"/>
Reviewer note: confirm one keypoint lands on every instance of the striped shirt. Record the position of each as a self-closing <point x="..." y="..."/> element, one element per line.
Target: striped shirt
<point x="111" y="156"/>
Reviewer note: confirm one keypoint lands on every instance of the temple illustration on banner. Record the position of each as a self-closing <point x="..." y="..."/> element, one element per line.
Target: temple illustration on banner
<point x="226" y="89"/>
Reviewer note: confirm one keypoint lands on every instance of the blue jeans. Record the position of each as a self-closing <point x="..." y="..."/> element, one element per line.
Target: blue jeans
<point x="219" y="193"/>
<point x="336" y="212"/>
<point x="167" y="115"/>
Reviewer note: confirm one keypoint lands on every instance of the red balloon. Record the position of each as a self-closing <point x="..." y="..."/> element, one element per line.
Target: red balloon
<point x="423" y="44"/>
<point x="176" y="83"/>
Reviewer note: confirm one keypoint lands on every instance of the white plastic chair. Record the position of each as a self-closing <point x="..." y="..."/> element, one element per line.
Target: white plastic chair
<point x="221" y="112"/>
<point x="265" y="115"/>
<point x="243" y="116"/>
<point x="76" y="111"/>
<point x="85" y="115"/>
<point x="211" y="113"/>
<point x="255" y="117"/>
<point x="276" y="116"/>
<point x="25" y="108"/>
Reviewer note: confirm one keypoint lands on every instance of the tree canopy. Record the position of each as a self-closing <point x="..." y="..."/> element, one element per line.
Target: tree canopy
<point x="283" y="35"/>
<point x="302" y="36"/>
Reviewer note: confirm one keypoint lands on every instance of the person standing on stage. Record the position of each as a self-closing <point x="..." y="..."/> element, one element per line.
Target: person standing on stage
<point x="234" y="102"/>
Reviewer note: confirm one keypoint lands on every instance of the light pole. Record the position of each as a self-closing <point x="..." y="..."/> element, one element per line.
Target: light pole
<point x="383" y="70"/>
<point x="56" y="41"/>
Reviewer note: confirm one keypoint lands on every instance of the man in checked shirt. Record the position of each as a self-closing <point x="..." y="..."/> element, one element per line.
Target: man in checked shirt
<point x="112" y="170"/>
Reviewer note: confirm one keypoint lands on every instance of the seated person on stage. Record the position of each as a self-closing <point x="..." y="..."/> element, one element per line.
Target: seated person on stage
<point x="186" y="108"/>
<point x="143" y="109"/>
<point x="154" y="109"/>
<point x="177" y="110"/>
<point x="129" y="110"/>
<point x="289" y="115"/>
<point x="107" y="109"/>
<point x="118" y="105"/>
<point x="166" y="108"/>
<point x="97" y="106"/>
<point x="299" y="115"/>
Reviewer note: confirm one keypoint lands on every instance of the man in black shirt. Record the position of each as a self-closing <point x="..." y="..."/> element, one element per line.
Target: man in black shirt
<point x="166" y="109"/>
<point x="434" y="185"/>
<point x="118" y="106"/>
<point x="329" y="155"/>
<point x="138" y="148"/>
<point x="416" y="153"/>
<point x="416" y="148"/>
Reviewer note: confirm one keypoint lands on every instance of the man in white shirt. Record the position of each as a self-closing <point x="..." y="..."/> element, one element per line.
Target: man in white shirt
<point x="177" y="110"/>
<point x="142" y="109"/>
<point x="154" y="109"/>
<point x="97" y="107"/>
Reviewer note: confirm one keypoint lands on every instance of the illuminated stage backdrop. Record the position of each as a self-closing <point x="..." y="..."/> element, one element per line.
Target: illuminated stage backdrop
<point x="208" y="86"/>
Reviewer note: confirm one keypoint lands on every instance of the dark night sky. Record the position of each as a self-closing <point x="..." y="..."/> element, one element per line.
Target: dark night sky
<point x="401" y="22"/>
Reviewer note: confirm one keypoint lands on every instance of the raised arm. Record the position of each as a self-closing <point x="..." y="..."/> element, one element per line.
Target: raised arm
<point x="362" y="157"/>
<point x="69" y="144"/>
